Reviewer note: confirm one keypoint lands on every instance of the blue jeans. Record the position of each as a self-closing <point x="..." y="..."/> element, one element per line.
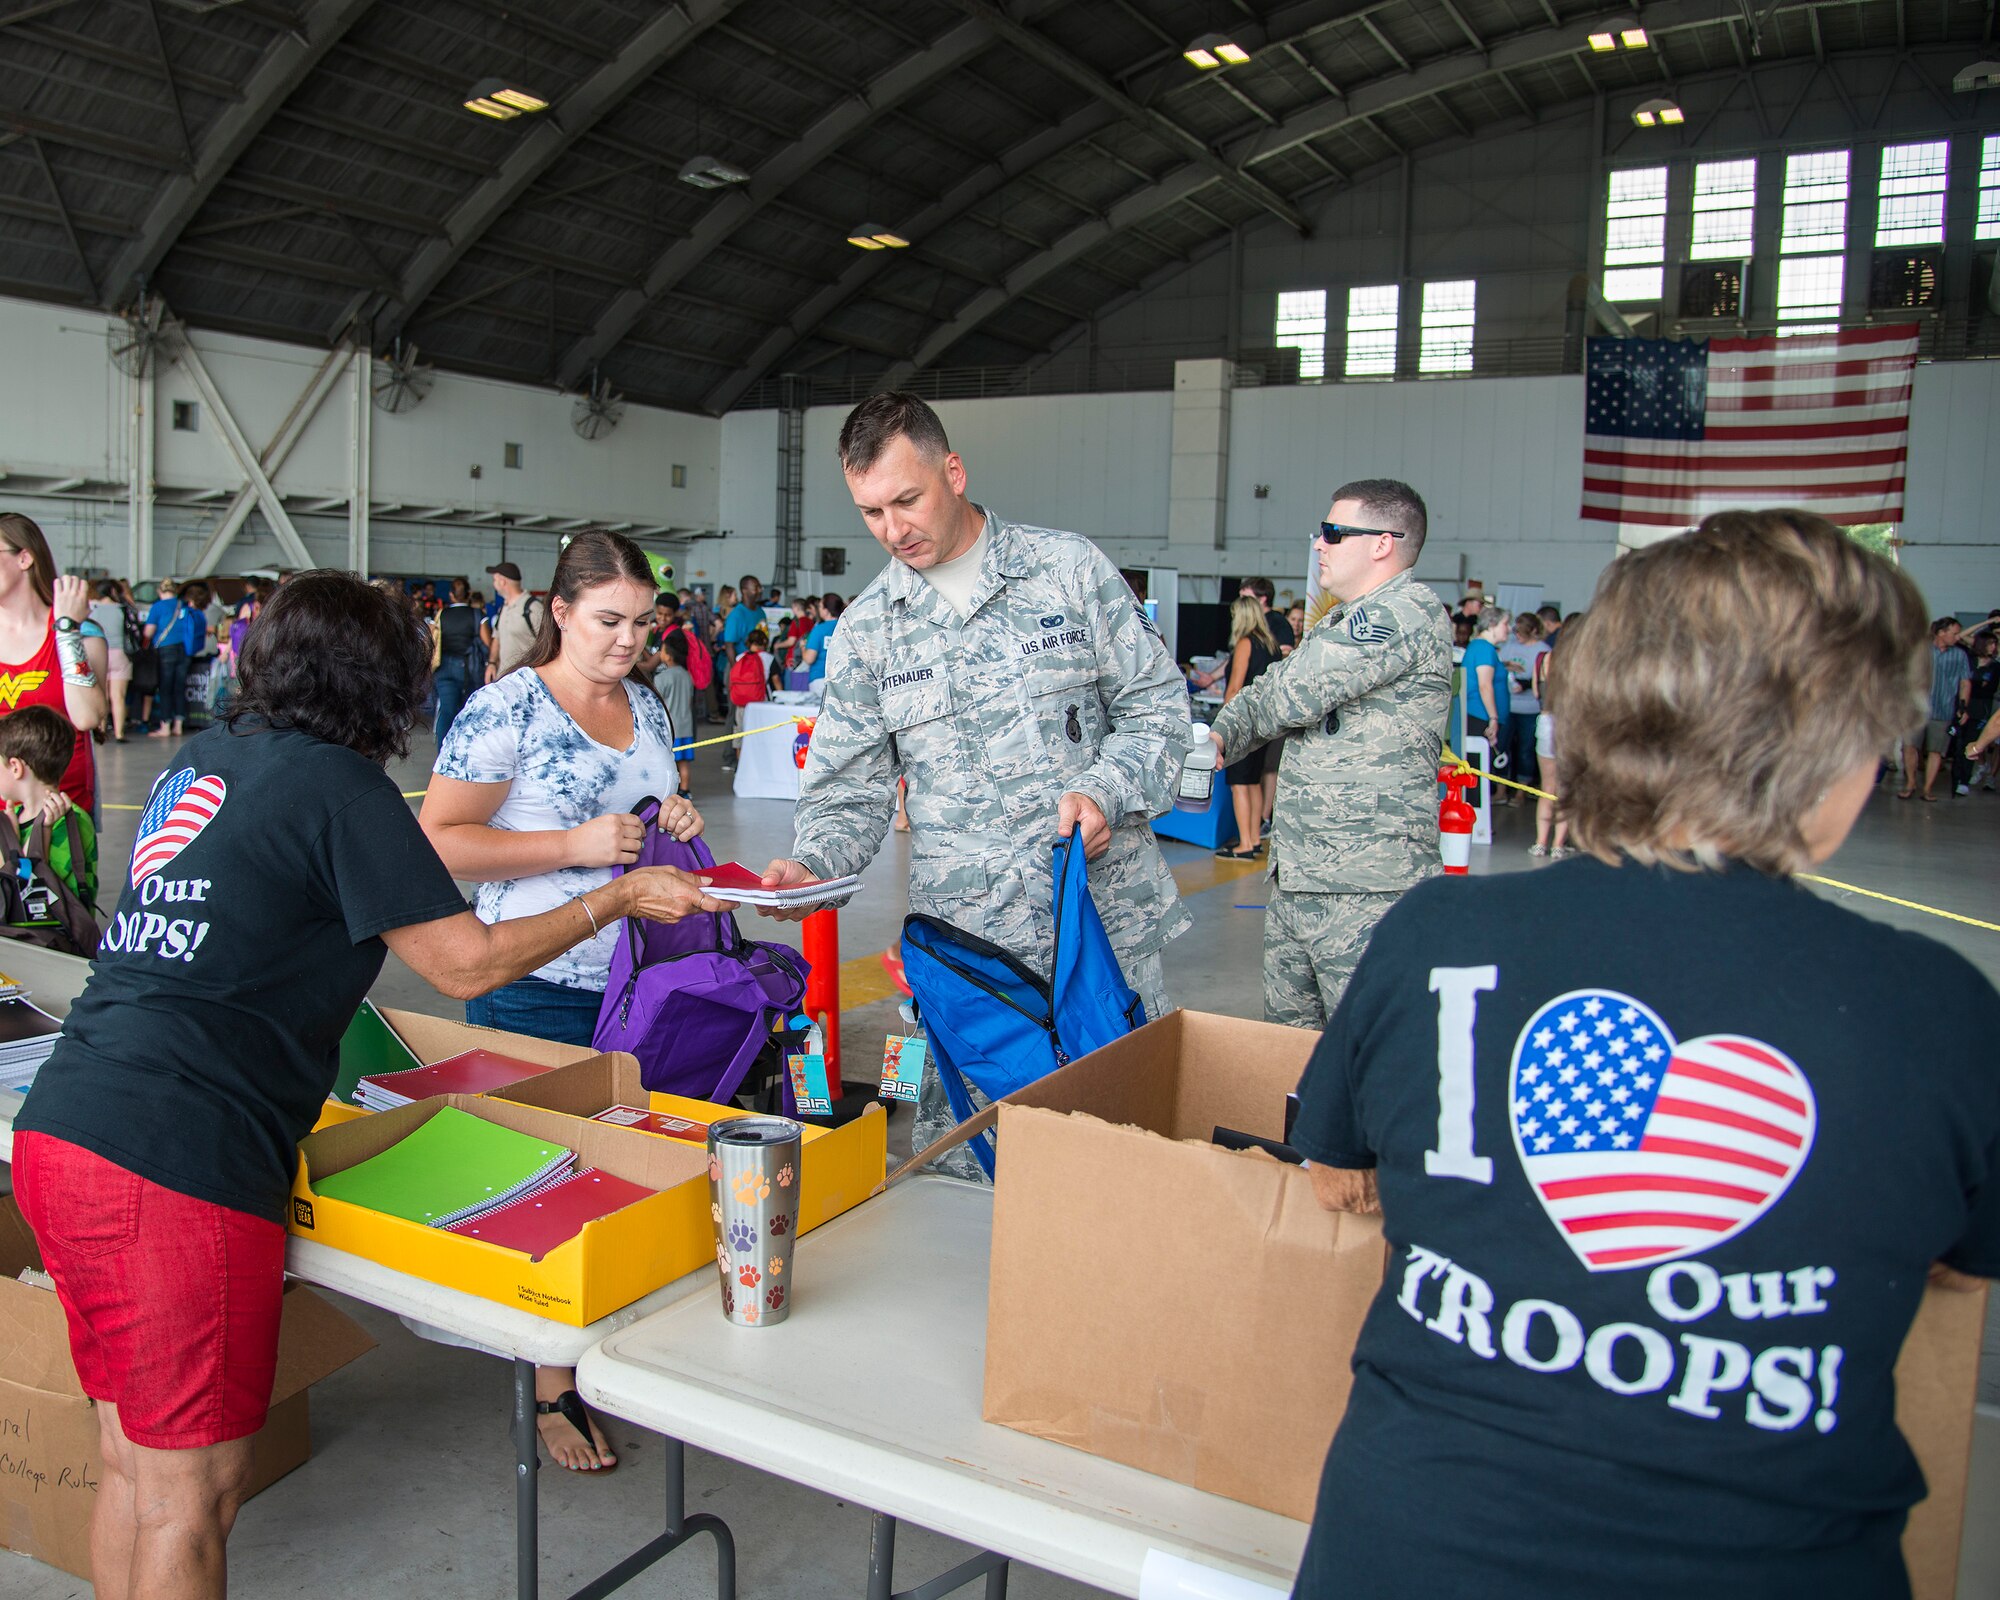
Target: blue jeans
<point x="453" y="684"/>
<point x="1527" y="764"/>
<point x="170" y="699"/>
<point x="538" y="1008"/>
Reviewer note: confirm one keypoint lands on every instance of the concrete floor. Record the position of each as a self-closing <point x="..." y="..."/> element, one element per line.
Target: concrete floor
<point x="410" y="1487"/>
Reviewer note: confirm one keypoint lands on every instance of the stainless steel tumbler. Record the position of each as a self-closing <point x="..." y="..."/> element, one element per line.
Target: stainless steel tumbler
<point x="753" y="1187"/>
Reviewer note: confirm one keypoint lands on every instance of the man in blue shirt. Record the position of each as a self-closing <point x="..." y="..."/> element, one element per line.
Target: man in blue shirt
<point x="1951" y="694"/>
<point x="749" y="613"/>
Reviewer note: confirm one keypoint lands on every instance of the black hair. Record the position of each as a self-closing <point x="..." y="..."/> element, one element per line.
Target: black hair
<point x="879" y="420"/>
<point x="461" y="591"/>
<point x="41" y="738"/>
<point x="339" y="659"/>
<point x="1261" y="588"/>
<point x="675" y="645"/>
<point x="832" y="603"/>
<point x="1393" y="503"/>
<point x="667" y="598"/>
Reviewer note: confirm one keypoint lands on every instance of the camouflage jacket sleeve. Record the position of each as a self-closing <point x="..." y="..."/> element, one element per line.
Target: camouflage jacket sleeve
<point x="847" y="793"/>
<point x="1145" y="704"/>
<point x="1332" y="665"/>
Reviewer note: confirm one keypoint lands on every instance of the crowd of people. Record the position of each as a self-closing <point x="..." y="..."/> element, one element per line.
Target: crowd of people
<point x="1535" y="1328"/>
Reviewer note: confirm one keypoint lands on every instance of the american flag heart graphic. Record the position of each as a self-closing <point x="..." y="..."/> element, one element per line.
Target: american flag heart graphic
<point x="1643" y="1149"/>
<point x="182" y="805"/>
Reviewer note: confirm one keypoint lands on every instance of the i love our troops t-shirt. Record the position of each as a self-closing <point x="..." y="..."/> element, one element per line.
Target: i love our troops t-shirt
<point x="267" y="866"/>
<point x="1663" y="1173"/>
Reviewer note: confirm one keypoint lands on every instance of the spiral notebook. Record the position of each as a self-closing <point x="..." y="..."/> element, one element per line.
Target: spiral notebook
<point x="452" y="1168"/>
<point x="468" y="1072"/>
<point x="537" y="1223"/>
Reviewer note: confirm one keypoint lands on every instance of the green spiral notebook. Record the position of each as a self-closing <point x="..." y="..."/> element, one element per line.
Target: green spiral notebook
<point x="454" y="1167"/>
<point x="369" y="1046"/>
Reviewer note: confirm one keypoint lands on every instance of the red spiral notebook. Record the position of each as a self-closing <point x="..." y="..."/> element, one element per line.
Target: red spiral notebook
<point x="731" y="880"/>
<point x="469" y="1072"/>
<point x="537" y="1223"/>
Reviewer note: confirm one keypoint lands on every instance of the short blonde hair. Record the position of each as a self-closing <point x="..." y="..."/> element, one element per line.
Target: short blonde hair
<point x="1723" y="680"/>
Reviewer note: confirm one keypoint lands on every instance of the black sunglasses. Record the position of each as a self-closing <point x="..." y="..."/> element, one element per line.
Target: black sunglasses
<point x="1334" y="532"/>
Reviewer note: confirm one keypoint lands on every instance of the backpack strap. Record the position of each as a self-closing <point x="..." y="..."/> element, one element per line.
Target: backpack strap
<point x="76" y="851"/>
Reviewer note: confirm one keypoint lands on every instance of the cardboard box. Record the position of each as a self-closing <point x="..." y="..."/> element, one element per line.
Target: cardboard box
<point x="432" y="1039"/>
<point x="839" y="1167"/>
<point x="614" y="1261"/>
<point x="50" y="1465"/>
<point x="1209" y="1339"/>
<point x="1192" y="1311"/>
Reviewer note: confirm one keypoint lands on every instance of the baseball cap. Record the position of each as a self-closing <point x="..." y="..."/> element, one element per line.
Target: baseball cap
<point x="505" y="569"/>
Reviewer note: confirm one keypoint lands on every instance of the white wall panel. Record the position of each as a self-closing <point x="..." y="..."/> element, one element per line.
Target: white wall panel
<point x="1951" y="530"/>
<point x="1095" y="464"/>
<point x="68" y="420"/>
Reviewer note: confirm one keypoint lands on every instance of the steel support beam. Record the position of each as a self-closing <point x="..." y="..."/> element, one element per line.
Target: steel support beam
<point x="1052" y="57"/>
<point x="955" y="202"/>
<point x="139" y="474"/>
<point x="539" y="149"/>
<point x="256" y="469"/>
<point x="1533" y="48"/>
<point x="907" y="77"/>
<point x="292" y="55"/>
<point x="360" y="458"/>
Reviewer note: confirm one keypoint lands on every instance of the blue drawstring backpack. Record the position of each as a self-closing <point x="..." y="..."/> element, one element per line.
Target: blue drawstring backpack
<point x="993" y="1022"/>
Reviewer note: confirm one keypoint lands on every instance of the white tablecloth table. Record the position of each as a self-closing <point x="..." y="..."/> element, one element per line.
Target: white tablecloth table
<point x="765" y="768"/>
<point x="904" y="1278"/>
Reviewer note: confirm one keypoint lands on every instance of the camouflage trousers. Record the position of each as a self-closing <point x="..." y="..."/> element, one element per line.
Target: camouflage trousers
<point x="1311" y="943"/>
<point x="935" y="1118"/>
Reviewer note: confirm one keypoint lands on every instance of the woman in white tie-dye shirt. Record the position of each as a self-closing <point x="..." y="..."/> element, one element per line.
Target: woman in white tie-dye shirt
<point x="533" y="799"/>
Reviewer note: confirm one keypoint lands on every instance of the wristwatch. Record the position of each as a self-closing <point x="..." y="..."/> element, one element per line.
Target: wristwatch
<point x="67" y="625"/>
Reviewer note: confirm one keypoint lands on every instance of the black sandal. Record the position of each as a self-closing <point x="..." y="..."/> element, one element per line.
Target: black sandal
<point x="569" y="1405"/>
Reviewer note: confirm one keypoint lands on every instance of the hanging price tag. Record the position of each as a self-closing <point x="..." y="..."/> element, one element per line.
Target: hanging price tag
<point x="903" y="1068"/>
<point x="809" y="1087"/>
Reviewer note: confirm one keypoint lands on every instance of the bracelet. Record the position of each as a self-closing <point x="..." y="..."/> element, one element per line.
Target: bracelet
<point x="75" y="663"/>
<point x="594" y="928"/>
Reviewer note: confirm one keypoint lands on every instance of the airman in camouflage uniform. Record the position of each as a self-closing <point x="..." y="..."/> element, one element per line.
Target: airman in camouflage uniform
<point x="1054" y="684"/>
<point x="1361" y="702"/>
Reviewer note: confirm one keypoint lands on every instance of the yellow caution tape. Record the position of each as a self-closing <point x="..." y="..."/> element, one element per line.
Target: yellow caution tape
<point x="701" y="744"/>
<point x="1804" y="877"/>
<point x="1907" y="905"/>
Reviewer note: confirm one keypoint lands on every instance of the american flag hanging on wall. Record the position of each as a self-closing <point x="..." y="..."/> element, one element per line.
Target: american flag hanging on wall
<point x="1675" y="429"/>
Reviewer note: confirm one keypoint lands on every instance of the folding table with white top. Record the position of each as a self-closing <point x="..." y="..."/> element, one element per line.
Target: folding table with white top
<point x="903" y="1277"/>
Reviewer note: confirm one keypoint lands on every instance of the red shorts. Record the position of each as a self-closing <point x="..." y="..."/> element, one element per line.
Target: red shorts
<point x="173" y="1303"/>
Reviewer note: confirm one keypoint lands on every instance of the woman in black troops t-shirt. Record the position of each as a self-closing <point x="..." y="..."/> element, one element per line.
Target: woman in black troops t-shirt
<point x="1662" y="1177"/>
<point x="274" y="864"/>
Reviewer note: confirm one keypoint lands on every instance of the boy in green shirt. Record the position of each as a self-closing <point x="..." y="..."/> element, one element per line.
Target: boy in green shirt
<point x="36" y="744"/>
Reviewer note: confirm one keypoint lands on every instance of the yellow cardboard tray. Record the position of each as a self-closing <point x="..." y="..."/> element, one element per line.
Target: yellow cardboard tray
<point x="611" y="1263"/>
<point x="432" y="1039"/>
<point x="841" y="1166"/>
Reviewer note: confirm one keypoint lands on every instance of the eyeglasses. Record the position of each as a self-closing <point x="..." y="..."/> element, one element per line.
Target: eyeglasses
<point x="1334" y="532"/>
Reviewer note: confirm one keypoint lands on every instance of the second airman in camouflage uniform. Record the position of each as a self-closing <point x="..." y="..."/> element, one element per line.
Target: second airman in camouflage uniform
<point x="1361" y="703"/>
<point x="1004" y="696"/>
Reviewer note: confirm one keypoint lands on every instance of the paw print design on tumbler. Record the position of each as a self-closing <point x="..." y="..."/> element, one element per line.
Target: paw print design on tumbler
<point x="754" y="1181"/>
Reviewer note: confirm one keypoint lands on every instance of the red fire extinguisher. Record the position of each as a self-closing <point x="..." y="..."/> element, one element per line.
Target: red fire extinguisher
<point x="1455" y="820"/>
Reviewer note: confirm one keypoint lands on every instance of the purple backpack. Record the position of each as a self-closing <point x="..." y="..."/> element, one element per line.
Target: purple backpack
<point x="694" y="1000"/>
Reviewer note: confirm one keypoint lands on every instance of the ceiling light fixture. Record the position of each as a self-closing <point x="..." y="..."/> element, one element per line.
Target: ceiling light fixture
<point x="876" y="236"/>
<point x="1214" y="50"/>
<point x="501" y="100"/>
<point x="1618" y="31"/>
<point x="711" y="172"/>
<point x="1980" y="75"/>
<point x="1659" y="113"/>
